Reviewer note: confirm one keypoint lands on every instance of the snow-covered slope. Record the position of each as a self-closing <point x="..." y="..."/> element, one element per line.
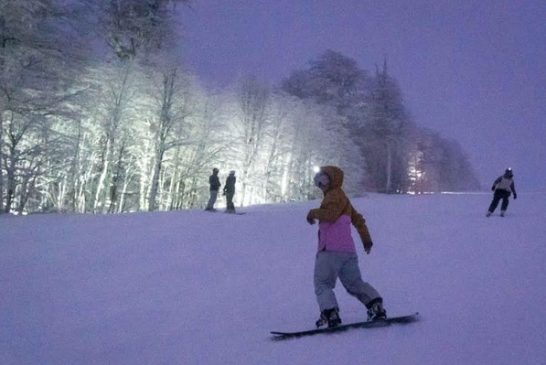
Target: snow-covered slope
<point x="192" y="287"/>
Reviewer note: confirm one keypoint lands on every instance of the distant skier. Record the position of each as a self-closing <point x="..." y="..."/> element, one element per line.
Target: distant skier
<point x="214" y="183"/>
<point x="229" y="191"/>
<point x="503" y="187"/>
<point x="336" y="255"/>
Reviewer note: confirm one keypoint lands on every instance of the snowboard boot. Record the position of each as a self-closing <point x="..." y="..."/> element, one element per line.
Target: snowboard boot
<point x="488" y="214"/>
<point x="502" y="213"/>
<point x="376" y="310"/>
<point x="329" y="317"/>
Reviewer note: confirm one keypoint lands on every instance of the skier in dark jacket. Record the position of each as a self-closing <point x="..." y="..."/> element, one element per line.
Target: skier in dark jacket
<point x="503" y="187"/>
<point x="229" y="191"/>
<point x="214" y="183"/>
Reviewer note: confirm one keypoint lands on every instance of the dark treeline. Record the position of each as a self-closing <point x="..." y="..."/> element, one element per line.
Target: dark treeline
<point x="98" y="114"/>
<point x="398" y="155"/>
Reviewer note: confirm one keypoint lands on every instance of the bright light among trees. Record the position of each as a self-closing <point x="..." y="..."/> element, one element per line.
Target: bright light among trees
<point x="121" y="126"/>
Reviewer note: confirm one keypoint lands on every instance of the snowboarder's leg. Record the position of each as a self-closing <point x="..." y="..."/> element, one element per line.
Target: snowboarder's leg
<point x="505" y="201"/>
<point x="496" y="198"/>
<point x="230" y="206"/>
<point x="326" y="266"/>
<point x="351" y="279"/>
<point x="212" y="200"/>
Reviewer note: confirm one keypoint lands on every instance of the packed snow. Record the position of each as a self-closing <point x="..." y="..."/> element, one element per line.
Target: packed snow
<point x="192" y="287"/>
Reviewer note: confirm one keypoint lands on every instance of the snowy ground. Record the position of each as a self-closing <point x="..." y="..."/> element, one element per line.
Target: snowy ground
<point x="192" y="287"/>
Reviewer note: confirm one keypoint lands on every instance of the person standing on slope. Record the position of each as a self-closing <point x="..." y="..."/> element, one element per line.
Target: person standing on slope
<point x="336" y="256"/>
<point x="214" y="183"/>
<point x="503" y="187"/>
<point x="229" y="191"/>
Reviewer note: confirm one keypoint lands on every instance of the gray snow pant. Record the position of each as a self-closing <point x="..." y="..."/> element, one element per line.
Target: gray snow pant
<point x="331" y="265"/>
<point x="212" y="199"/>
<point x="229" y="200"/>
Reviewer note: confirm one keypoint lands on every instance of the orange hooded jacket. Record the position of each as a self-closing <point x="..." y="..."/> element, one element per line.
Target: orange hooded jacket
<point x="335" y="204"/>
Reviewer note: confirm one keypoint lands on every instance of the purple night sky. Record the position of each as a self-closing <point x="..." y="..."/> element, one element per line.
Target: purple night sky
<point x="473" y="70"/>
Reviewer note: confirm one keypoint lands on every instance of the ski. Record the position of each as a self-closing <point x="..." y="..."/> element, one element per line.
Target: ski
<point x="344" y="327"/>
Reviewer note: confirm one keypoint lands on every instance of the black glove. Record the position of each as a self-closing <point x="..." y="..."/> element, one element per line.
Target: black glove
<point x="493" y="188"/>
<point x="515" y="196"/>
<point x="368" y="247"/>
<point x="310" y="218"/>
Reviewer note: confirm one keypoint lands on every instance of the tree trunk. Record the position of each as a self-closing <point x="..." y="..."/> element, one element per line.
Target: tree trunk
<point x="114" y="196"/>
<point x="1" y="161"/>
<point x="11" y="179"/>
<point x="152" y="200"/>
<point x="98" y="205"/>
<point x="388" y="171"/>
<point x="75" y="169"/>
<point x="163" y="130"/>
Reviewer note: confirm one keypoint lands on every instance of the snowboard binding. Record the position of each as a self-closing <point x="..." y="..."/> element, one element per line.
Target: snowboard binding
<point x="329" y="317"/>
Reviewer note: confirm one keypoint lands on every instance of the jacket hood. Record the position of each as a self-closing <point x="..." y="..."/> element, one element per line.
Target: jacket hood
<point x="335" y="174"/>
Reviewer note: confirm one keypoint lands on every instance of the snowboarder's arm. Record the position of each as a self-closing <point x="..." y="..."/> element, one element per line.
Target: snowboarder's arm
<point x="496" y="182"/>
<point x="513" y="188"/>
<point x="359" y="223"/>
<point x="330" y="210"/>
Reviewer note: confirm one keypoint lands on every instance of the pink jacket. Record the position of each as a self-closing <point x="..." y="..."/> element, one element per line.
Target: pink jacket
<point x="336" y="236"/>
<point x="335" y="216"/>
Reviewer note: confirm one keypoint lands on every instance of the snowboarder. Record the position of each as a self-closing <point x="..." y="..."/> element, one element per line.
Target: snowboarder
<point x="214" y="183"/>
<point x="336" y="256"/>
<point x="503" y="187"/>
<point x="229" y="191"/>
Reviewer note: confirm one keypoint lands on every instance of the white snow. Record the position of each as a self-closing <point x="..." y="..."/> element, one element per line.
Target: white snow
<point x="192" y="287"/>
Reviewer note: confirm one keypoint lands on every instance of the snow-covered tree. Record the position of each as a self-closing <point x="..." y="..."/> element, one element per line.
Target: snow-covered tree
<point x="132" y="27"/>
<point x="385" y="135"/>
<point x="251" y="124"/>
<point x="336" y="82"/>
<point x="36" y="80"/>
<point x="439" y="164"/>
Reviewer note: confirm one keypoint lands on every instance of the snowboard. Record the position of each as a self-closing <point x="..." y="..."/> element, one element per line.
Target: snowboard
<point x="218" y="211"/>
<point x="344" y="327"/>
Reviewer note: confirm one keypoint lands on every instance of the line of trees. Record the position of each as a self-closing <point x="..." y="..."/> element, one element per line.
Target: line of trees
<point x="98" y="114"/>
<point x="398" y="156"/>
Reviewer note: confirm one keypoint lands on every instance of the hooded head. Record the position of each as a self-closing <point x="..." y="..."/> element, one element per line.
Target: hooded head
<point x="508" y="173"/>
<point x="330" y="177"/>
<point x="215" y="171"/>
